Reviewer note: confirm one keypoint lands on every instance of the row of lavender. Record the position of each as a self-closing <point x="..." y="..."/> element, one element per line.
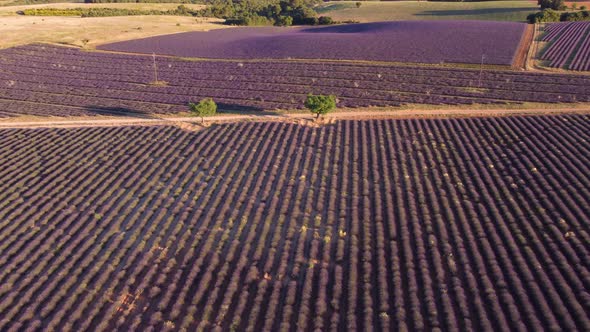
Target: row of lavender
<point x="60" y="81"/>
<point x="471" y="224"/>
<point x="569" y="46"/>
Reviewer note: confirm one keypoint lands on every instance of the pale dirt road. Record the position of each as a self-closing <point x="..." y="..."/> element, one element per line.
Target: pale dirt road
<point x="358" y="115"/>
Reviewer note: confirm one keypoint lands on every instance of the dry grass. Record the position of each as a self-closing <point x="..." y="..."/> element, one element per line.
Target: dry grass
<point x="371" y="11"/>
<point x="11" y="10"/>
<point x="20" y="30"/>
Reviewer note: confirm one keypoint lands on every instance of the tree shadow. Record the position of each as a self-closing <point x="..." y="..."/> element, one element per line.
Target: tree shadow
<point x="243" y="110"/>
<point x="119" y="111"/>
<point x="222" y="108"/>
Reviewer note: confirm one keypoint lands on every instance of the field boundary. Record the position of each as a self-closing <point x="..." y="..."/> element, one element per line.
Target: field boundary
<point x="520" y="57"/>
<point x="297" y="117"/>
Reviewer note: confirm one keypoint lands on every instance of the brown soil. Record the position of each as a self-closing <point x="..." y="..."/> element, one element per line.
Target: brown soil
<point x="523" y="48"/>
<point x="185" y="122"/>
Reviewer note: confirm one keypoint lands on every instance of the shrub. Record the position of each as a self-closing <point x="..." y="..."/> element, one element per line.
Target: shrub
<point x="250" y="20"/>
<point x="325" y="20"/>
<point x="576" y="16"/>
<point x="358" y="4"/>
<point x="284" y="21"/>
<point x="320" y="104"/>
<point x="547" y="15"/>
<point x="206" y="107"/>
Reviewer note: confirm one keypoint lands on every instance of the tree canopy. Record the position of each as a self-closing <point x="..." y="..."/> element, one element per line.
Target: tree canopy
<point x="320" y="104"/>
<point x="206" y="107"/>
<point x="266" y="12"/>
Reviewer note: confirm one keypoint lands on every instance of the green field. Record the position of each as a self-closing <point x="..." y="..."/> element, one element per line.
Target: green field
<point x="373" y="11"/>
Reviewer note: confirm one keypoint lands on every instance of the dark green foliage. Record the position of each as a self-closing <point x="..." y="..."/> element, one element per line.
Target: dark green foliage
<point x="358" y="4"/>
<point x="325" y="20"/>
<point x="575" y="16"/>
<point x="206" y="107"/>
<point x="249" y="20"/>
<point x="549" y="15"/>
<point x="544" y="16"/>
<point x="271" y="12"/>
<point x="320" y="104"/>
<point x="552" y="4"/>
<point x="284" y="21"/>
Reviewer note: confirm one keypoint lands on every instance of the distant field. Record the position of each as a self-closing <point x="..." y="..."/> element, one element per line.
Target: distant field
<point x="372" y="11"/>
<point x="401" y="41"/>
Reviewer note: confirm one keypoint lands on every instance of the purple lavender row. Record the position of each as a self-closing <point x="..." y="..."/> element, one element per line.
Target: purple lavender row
<point x="569" y="45"/>
<point x="475" y="224"/>
<point x="582" y="59"/>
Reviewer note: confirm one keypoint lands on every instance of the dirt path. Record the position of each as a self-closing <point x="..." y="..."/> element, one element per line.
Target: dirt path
<point x="357" y="115"/>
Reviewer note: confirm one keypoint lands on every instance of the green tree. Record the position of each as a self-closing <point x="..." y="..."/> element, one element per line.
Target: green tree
<point x="206" y="107"/>
<point x="320" y="104"/>
<point x="284" y="21"/>
<point x="544" y="16"/>
<point x="358" y="4"/>
<point x="325" y="20"/>
<point x="552" y="4"/>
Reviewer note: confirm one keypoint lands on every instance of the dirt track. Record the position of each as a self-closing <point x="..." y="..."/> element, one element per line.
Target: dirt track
<point x="360" y="115"/>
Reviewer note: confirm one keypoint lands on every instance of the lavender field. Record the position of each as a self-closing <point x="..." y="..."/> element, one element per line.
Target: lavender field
<point x="47" y="80"/>
<point x="569" y="46"/>
<point x="402" y="41"/>
<point x="419" y="225"/>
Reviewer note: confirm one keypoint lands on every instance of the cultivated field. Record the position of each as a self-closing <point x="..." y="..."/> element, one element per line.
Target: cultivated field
<point x="48" y="80"/>
<point x="419" y="42"/>
<point x="374" y="11"/>
<point x="477" y="224"/>
<point x="568" y="45"/>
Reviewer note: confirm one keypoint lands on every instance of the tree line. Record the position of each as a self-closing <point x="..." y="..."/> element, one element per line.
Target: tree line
<point x="266" y="12"/>
<point x="555" y="11"/>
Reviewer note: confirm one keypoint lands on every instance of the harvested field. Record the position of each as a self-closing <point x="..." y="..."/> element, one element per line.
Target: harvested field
<point x="375" y="11"/>
<point x="48" y="80"/>
<point x="569" y="46"/>
<point x="472" y="224"/>
<point x="90" y="31"/>
<point x="404" y="41"/>
<point x="12" y="10"/>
